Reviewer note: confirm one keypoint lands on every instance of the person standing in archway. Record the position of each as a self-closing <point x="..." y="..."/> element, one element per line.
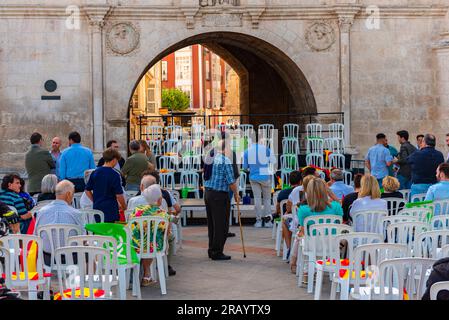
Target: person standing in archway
<point x="216" y="198"/>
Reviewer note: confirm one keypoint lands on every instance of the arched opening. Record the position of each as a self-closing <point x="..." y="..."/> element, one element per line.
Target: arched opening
<point x="269" y="81"/>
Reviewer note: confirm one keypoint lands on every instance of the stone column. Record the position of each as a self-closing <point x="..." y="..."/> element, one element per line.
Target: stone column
<point x="346" y="16"/>
<point x="96" y="21"/>
<point x="442" y="54"/>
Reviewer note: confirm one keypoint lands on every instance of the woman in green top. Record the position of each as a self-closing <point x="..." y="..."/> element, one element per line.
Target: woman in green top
<point x="318" y="203"/>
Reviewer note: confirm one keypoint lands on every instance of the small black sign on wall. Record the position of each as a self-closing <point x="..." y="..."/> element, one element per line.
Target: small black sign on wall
<point x="50" y="86"/>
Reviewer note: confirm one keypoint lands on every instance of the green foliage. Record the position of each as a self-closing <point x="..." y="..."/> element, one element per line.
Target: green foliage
<point x="175" y="100"/>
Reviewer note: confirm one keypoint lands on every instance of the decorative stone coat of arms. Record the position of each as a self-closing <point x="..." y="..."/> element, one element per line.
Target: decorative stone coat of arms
<point x="320" y="36"/>
<point x="122" y="38"/>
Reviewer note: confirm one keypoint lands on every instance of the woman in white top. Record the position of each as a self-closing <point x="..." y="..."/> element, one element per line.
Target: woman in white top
<point x="369" y="199"/>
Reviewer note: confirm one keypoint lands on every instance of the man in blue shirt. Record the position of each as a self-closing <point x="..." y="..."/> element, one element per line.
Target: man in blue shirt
<point x="424" y="164"/>
<point x="440" y="191"/>
<point x="74" y="161"/>
<point x="338" y="186"/>
<point x="258" y="159"/>
<point x="216" y="198"/>
<point x="105" y="187"/>
<point x="378" y="159"/>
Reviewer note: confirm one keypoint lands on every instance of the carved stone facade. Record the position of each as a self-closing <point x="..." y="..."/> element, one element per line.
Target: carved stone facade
<point x="385" y="78"/>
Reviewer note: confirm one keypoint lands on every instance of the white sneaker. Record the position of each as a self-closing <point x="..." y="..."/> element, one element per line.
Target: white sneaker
<point x="268" y="224"/>
<point x="258" y="224"/>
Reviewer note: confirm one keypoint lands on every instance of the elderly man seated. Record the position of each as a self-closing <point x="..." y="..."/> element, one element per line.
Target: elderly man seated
<point x="153" y="197"/>
<point x="338" y="187"/>
<point x="440" y="191"/>
<point x="59" y="211"/>
<point x="140" y="200"/>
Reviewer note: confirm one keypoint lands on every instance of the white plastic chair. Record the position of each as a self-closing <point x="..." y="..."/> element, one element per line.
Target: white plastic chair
<point x="305" y="246"/>
<point x="440" y="207"/>
<point x="367" y="259"/>
<point x="368" y="220"/>
<point x="146" y="248"/>
<point x="406" y="233"/>
<point x="289" y="163"/>
<point x="385" y="222"/>
<point x="191" y="180"/>
<point x="437" y="287"/>
<point x="265" y="131"/>
<point x="172" y="146"/>
<point x="167" y="180"/>
<point x="314" y="130"/>
<point x="243" y="181"/>
<point x="93" y="271"/>
<point x="90" y="215"/>
<point x="395" y="205"/>
<point x="291" y="130"/>
<point x="315" y="159"/>
<point x="342" y="274"/>
<point x="174" y="132"/>
<point x="337" y="161"/>
<point x="277" y="227"/>
<point x="428" y="244"/>
<point x="418" y="197"/>
<point x="322" y="237"/>
<point x="334" y="145"/>
<point x="422" y="214"/>
<point x="154" y="133"/>
<point x="290" y="146"/>
<point x="336" y="130"/>
<point x="156" y="147"/>
<point x="314" y="145"/>
<point x="191" y="163"/>
<point x="168" y="162"/>
<point x="394" y="273"/>
<point x="197" y="131"/>
<point x="347" y="177"/>
<point x="440" y="222"/>
<point x="17" y="271"/>
<point x="57" y="235"/>
<point x="406" y="194"/>
<point x="76" y="200"/>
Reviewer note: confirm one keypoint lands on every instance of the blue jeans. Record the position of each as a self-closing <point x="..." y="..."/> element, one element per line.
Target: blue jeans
<point x="405" y="183"/>
<point x="419" y="188"/>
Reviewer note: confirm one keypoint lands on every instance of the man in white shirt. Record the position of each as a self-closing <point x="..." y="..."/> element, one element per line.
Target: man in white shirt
<point x="136" y="201"/>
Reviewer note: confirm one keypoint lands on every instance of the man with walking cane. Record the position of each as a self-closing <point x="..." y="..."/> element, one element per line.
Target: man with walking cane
<point x="217" y="188"/>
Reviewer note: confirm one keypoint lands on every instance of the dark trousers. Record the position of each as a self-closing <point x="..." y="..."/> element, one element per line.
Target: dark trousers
<point x="217" y="224"/>
<point x="80" y="186"/>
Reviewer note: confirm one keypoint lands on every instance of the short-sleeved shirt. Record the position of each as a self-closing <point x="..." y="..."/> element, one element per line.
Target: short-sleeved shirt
<point x="439" y="191"/>
<point x="257" y="158"/>
<point x="340" y="189"/>
<point x="295" y="195"/>
<point x="378" y="157"/>
<point x="305" y="211"/>
<point x="105" y="183"/>
<point x="222" y="174"/>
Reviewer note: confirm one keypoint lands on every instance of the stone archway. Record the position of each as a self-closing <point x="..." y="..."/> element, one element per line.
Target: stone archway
<point x="270" y="81"/>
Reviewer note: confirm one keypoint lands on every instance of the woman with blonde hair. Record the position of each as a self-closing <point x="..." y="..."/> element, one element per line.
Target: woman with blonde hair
<point x="369" y="199"/>
<point x="318" y="203"/>
<point x="391" y="186"/>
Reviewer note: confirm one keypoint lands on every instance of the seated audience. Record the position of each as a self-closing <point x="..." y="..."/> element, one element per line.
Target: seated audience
<point x="350" y="198"/>
<point x="59" y="211"/>
<point x="369" y="199"/>
<point x="85" y="202"/>
<point x="48" y="188"/>
<point x="153" y="196"/>
<point x="105" y="187"/>
<point x="27" y="198"/>
<point x="140" y="200"/>
<point x="391" y="186"/>
<point x="440" y="191"/>
<point x="338" y="187"/>
<point x="10" y="196"/>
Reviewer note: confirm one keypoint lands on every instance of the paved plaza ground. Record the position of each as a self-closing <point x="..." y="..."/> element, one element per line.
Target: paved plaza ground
<point x="261" y="276"/>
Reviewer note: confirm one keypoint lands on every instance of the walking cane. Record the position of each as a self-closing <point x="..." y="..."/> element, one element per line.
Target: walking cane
<point x="241" y="230"/>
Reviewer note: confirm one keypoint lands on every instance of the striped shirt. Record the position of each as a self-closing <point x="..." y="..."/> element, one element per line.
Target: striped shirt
<point x="222" y="174"/>
<point x="57" y="212"/>
<point x="13" y="199"/>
